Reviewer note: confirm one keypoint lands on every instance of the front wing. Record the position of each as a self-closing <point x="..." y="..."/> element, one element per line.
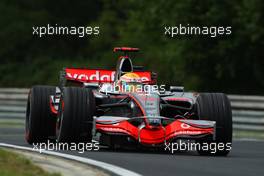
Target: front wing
<point x="179" y="128"/>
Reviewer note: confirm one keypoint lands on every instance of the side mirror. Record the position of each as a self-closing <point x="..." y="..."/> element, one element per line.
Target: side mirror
<point x="176" y="88"/>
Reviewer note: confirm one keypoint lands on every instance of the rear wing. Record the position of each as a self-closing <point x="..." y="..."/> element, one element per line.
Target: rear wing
<point x="103" y="75"/>
<point x="126" y="49"/>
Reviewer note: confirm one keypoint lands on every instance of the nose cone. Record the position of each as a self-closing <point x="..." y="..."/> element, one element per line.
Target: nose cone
<point x="152" y="135"/>
<point x="153" y="123"/>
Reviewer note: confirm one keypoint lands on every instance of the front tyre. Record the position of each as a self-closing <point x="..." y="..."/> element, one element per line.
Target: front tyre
<point x="216" y="107"/>
<point x="76" y="113"/>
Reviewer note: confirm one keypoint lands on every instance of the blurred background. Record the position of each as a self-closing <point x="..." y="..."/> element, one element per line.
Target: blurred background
<point x="233" y="64"/>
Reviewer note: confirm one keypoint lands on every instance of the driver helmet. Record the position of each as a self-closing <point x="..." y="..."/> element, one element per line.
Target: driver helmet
<point x="129" y="82"/>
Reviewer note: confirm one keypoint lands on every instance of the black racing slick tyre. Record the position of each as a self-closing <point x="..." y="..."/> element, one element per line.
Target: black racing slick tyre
<point x="40" y="122"/>
<point x="76" y="113"/>
<point x="216" y="107"/>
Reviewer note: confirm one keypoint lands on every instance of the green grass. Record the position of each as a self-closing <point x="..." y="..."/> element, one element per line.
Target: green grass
<point x="12" y="123"/>
<point x="248" y="134"/>
<point x="12" y="164"/>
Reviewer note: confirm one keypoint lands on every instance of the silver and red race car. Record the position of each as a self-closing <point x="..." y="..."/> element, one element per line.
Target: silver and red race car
<point x="126" y="108"/>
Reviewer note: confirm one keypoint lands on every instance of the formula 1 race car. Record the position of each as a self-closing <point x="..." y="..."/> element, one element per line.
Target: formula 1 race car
<point x="126" y="107"/>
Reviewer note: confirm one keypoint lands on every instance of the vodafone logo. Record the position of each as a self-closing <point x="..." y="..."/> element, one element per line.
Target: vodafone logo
<point x="185" y="126"/>
<point x="113" y="129"/>
<point x="97" y="76"/>
<point x="105" y="76"/>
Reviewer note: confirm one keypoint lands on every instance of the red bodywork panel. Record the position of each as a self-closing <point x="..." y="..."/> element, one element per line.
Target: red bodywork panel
<point x="99" y="75"/>
<point x="152" y="136"/>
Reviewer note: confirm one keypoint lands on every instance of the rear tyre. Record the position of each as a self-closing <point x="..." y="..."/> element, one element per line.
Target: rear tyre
<point x="216" y="107"/>
<point x="40" y="122"/>
<point x="76" y="115"/>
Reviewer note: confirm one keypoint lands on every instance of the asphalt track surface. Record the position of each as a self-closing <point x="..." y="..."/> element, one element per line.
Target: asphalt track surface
<point x="246" y="158"/>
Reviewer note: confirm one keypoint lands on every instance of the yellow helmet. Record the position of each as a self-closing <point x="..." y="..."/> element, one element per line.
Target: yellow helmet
<point x="129" y="82"/>
<point x="130" y="77"/>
